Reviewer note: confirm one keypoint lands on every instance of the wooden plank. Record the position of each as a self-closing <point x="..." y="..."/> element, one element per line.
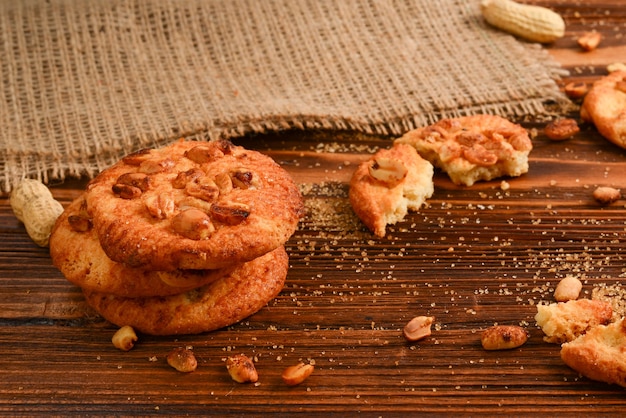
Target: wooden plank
<point x="475" y="256"/>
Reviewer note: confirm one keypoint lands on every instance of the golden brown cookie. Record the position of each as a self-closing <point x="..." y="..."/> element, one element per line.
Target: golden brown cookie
<point x="224" y="302"/>
<point x="473" y="148"/>
<point x="600" y="354"/>
<point x="76" y="252"/>
<point x="605" y="107"/>
<point x="384" y="188"/>
<point x="193" y="205"/>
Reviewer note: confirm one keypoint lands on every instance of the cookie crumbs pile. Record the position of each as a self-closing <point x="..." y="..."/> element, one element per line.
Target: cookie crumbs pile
<point x="183" y="239"/>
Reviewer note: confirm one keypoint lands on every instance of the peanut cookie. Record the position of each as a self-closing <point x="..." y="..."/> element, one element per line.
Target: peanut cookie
<point x="605" y="107"/>
<point x="224" y="302"/>
<point x="473" y="148"/>
<point x="600" y="354"/>
<point x="76" y="252"/>
<point x="193" y="205"/>
<point x="384" y="188"/>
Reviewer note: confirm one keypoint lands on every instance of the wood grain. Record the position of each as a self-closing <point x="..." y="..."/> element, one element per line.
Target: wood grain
<point x="474" y="257"/>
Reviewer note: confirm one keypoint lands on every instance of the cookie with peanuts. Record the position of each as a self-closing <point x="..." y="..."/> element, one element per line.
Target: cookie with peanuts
<point x="76" y="252"/>
<point x="193" y="205"/>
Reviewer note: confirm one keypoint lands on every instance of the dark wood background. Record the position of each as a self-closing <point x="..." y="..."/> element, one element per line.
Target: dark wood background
<point x="474" y="257"/>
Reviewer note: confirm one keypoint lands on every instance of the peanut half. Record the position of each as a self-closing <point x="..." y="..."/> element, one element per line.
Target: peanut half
<point x="606" y="195"/>
<point x="418" y="328"/>
<point x="241" y="369"/>
<point x="589" y="41"/>
<point x="124" y="338"/>
<point x="568" y="289"/>
<point x="182" y="359"/>
<point x="561" y="129"/>
<point x="503" y="337"/>
<point x="294" y="375"/>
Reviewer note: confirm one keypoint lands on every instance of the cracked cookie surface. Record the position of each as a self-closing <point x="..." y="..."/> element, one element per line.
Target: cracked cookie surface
<point x="193" y="205"/>
<point x="473" y="148"/>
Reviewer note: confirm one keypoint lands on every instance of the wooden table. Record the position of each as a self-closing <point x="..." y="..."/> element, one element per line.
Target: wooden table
<point x="474" y="257"/>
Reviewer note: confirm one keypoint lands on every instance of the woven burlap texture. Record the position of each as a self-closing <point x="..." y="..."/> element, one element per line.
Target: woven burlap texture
<point x="86" y="81"/>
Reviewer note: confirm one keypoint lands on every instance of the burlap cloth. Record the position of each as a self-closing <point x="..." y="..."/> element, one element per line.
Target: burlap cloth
<point x="87" y="81"/>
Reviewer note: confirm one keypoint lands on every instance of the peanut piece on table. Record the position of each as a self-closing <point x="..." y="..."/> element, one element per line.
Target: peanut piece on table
<point x="294" y="375"/>
<point x="576" y="89"/>
<point x="606" y="195"/>
<point x="561" y="129"/>
<point x="589" y="40"/>
<point x="124" y="338"/>
<point x="568" y="289"/>
<point x="418" y="328"/>
<point x="503" y="337"/>
<point x="182" y="359"/>
<point x="241" y="369"/>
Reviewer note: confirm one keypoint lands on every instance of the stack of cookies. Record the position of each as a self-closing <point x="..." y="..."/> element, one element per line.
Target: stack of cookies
<point x="183" y="239"/>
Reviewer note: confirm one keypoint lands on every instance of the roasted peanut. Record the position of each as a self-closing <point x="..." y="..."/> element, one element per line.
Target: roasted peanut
<point x="387" y="170"/>
<point x="503" y="337"/>
<point x="418" y="328"/>
<point x="138" y="180"/>
<point x="124" y="338"/>
<point x="244" y="179"/>
<point x="33" y="204"/>
<point x="182" y="359"/>
<point x="203" y="154"/>
<point x="193" y="224"/>
<point x="606" y="195"/>
<point x="224" y="183"/>
<point x="241" y="369"/>
<point x="561" y="129"/>
<point x="185" y="177"/>
<point x="568" y="289"/>
<point x="137" y="157"/>
<point x="294" y="375"/>
<point x="576" y="89"/>
<point x="203" y="188"/>
<point x="151" y="166"/>
<point x="533" y="23"/>
<point x="479" y="155"/>
<point x="126" y="191"/>
<point x="589" y="40"/>
<point x="160" y="206"/>
<point x="230" y="213"/>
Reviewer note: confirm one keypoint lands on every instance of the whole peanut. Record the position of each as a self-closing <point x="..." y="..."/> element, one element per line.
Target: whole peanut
<point x="533" y="23"/>
<point x="33" y="204"/>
